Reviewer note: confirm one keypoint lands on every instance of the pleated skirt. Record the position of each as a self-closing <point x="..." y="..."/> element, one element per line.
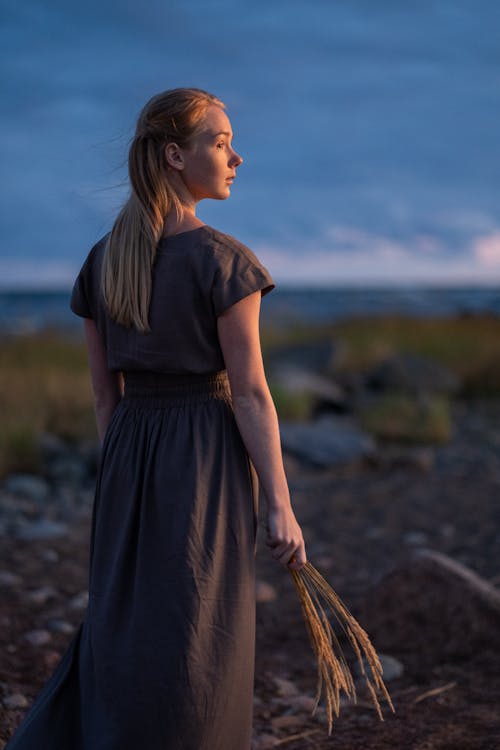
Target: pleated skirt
<point x="164" y="657"/>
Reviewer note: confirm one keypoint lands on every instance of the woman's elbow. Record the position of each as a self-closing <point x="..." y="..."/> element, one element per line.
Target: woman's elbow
<point x="251" y="397"/>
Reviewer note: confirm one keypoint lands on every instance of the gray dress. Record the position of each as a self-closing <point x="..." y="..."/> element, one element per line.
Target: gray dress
<point x="164" y="658"/>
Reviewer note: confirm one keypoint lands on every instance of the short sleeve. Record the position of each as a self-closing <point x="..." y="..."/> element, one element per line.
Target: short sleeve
<point x="79" y="302"/>
<point x="238" y="274"/>
<point x="85" y="289"/>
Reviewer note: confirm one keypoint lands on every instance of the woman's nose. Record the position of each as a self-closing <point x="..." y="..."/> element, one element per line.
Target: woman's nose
<point x="236" y="159"/>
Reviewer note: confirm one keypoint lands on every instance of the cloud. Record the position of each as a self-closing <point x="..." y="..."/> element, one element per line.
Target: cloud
<point x="351" y="256"/>
<point x="486" y="250"/>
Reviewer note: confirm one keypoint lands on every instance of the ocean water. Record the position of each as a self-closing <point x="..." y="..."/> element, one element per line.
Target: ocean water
<point x="32" y="311"/>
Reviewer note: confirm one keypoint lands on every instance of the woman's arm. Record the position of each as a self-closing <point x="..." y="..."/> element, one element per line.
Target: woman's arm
<point x="238" y="329"/>
<point x="107" y="385"/>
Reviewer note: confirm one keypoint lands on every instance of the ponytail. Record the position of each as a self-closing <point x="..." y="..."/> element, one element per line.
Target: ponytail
<point x="130" y="253"/>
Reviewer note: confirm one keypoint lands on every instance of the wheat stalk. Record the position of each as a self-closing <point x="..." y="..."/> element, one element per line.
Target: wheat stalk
<point x="334" y="675"/>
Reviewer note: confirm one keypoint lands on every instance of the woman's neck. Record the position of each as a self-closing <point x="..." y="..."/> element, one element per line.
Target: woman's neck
<point x="174" y="225"/>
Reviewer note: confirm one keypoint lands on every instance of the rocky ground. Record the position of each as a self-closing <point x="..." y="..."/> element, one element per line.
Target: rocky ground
<point x="366" y="520"/>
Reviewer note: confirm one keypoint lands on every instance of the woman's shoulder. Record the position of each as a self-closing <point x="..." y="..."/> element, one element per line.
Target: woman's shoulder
<point x="224" y="246"/>
<point x="97" y="250"/>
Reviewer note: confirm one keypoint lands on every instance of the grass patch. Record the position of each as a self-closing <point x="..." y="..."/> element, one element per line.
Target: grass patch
<point x="44" y="387"/>
<point x="468" y="346"/>
<point x="293" y="406"/>
<point x="461" y="344"/>
<point x="399" y="418"/>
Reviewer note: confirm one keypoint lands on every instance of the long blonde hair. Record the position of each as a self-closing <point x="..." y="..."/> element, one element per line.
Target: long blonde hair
<point x="172" y="116"/>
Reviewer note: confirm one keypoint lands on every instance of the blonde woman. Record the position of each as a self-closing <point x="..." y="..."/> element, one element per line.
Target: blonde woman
<point x="164" y="659"/>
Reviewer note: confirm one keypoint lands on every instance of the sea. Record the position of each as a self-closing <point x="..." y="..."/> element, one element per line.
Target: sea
<point x="31" y="311"/>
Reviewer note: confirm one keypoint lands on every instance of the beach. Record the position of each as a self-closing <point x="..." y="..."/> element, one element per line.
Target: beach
<point x="391" y="436"/>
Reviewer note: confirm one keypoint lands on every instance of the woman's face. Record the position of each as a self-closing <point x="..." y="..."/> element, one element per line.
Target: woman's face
<point x="208" y="167"/>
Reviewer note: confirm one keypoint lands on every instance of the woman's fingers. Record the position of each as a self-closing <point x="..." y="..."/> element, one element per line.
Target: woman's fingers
<point x="292" y="554"/>
<point x="298" y="559"/>
<point x="284" y="537"/>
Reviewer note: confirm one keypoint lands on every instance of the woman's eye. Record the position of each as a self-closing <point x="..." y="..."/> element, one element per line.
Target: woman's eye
<point x="221" y="144"/>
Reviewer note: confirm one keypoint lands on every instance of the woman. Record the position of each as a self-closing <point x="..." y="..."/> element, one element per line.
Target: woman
<point x="164" y="659"/>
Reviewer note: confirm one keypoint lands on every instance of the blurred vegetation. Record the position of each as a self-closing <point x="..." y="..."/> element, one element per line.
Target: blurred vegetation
<point x="469" y="346"/>
<point x="292" y="406"/>
<point x="44" y="387"/>
<point x="45" y="383"/>
<point x="400" y="418"/>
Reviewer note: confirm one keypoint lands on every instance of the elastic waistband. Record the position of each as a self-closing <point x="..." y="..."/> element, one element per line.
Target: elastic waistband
<point x="159" y="389"/>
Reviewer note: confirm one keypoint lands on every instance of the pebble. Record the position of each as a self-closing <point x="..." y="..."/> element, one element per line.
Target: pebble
<point x="287" y="721"/>
<point x="416" y="538"/>
<point x="41" y="595"/>
<point x="29" y="486"/>
<point x="79" y="601"/>
<point x="265" y="592"/>
<point x="60" y="626"/>
<point x="263" y="742"/>
<point x="51" y="659"/>
<point x="9" y="579"/>
<point x="68" y="469"/>
<point x="49" y="555"/>
<point x="16" y="700"/>
<point x="392" y="669"/>
<point x="42" y="529"/>
<point x="286" y="688"/>
<point x="38" y="637"/>
<point x="304" y="703"/>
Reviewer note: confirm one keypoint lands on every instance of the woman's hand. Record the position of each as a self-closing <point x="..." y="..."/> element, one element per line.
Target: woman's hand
<point x="284" y="536"/>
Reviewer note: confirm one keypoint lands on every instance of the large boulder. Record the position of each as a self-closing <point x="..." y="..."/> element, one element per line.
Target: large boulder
<point x="315" y="356"/>
<point x="432" y="609"/>
<point x="324" y="390"/>
<point x="410" y="373"/>
<point x="327" y="442"/>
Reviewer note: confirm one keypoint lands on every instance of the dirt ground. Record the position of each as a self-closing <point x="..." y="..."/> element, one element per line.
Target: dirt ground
<point x="358" y="524"/>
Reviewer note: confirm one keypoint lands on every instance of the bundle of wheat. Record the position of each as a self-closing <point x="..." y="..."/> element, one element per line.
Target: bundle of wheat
<point x="316" y="598"/>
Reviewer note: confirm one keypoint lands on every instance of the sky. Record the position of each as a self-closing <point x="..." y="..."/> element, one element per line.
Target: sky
<point x="369" y="131"/>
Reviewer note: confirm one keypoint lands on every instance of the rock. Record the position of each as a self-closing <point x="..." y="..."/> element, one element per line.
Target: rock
<point x="41" y="529"/>
<point x="16" y="700"/>
<point x="51" y="659"/>
<point x="265" y="592"/>
<point x="315" y="356"/>
<point x="68" y="468"/>
<point x="287" y="721"/>
<point x="9" y="579"/>
<point x="416" y="538"/>
<point x="263" y="742"/>
<point x="432" y="609"/>
<point x="410" y="373"/>
<point x="49" y="555"/>
<point x="79" y="601"/>
<point x="89" y="452"/>
<point x="392" y="668"/>
<point x="28" y="486"/>
<point x="421" y="458"/>
<point x="295" y="380"/>
<point x="302" y="703"/>
<point x="41" y="595"/>
<point x="286" y="688"/>
<point x="51" y="446"/>
<point x="38" y="637"/>
<point x="327" y="442"/>
<point x="60" y="626"/>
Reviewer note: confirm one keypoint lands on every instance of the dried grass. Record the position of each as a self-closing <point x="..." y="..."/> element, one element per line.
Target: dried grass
<point x="316" y="599"/>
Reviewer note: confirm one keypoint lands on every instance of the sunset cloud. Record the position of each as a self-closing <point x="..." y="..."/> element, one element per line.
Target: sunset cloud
<point x="487" y="250"/>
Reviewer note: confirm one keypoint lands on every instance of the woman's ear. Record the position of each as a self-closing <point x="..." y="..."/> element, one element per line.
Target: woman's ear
<point x="174" y="157"/>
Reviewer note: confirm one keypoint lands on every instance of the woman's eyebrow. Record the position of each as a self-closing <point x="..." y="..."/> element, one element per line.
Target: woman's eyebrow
<point x="222" y="132"/>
